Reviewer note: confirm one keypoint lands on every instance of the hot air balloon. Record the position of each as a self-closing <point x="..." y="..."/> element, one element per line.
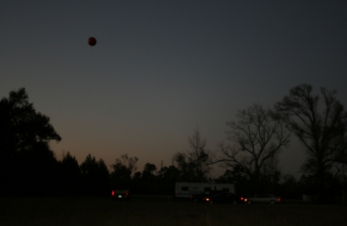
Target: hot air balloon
<point x="92" y="41"/>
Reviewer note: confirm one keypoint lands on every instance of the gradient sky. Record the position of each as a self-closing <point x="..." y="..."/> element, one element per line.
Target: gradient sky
<point x="162" y="68"/>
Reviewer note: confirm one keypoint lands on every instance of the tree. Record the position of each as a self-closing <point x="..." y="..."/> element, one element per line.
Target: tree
<point x="22" y="126"/>
<point x="70" y="175"/>
<point x="36" y="170"/>
<point x="128" y="162"/>
<point x="257" y="138"/>
<point x="320" y="129"/>
<point x="168" y="177"/>
<point x="123" y="169"/>
<point x="194" y="164"/>
<point x="168" y="174"/>
<point x="95" y="175"/>
<point x="24" y="149"/>
<point x="149" y="179"/>
<point x="148" y="172"/>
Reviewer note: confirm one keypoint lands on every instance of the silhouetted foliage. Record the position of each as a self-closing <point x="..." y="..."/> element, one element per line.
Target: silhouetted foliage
<point x="147" y="181"/>
<point x="170" y="173"/>
<point x="70" y="176"/>
<point x="25" y="158"/>
<point x="96" y="176"/>
<point x="321" y="130"/>
<point x="29" y="167"/>
<point x="168" y="176"/>
<point x="122" y="171"/>
<point x="36" y="171"/>
<point x="148" y="172"/>
<point x="194" y="164"/>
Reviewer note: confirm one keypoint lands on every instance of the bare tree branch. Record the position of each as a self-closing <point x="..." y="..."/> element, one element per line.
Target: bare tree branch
<point x="258" y="135"/>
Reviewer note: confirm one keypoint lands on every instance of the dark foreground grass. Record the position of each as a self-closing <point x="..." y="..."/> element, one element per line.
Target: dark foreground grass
<point x="150" y="211"/>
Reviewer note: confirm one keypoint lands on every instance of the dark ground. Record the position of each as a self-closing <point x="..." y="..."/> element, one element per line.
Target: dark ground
<point x="161" y="211"/>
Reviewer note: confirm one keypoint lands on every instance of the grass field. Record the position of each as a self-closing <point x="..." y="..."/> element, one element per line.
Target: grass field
<point x="154" y="211"/>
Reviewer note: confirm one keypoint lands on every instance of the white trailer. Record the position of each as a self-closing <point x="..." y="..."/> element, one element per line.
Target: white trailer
<point x="186" y="189"/>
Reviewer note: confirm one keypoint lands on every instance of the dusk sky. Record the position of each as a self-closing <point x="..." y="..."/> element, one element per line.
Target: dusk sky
<point x="160" y="68"/>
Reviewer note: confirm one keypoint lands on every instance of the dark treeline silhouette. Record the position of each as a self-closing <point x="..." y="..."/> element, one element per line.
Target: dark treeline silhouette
<point x="29" y="167"/>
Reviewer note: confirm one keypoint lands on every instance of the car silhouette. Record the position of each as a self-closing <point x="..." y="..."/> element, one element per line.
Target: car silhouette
<point x="263" y="198"/>
<point x="120" y="194"/>
<point x="226" y="197"/>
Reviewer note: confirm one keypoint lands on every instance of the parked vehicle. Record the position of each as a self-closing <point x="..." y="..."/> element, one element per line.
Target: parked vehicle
<point x="187" y="189"/>
<point x="226" y="197"/>
<point x="121" y="194"/>
<point x="202" y="197"/>
<point x="263" y="198"/>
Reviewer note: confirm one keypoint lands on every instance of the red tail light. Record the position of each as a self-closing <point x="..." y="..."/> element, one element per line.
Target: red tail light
<point x="279" y="199"/>
<point x="113" y="193"/>
<point x="127" y="193"/>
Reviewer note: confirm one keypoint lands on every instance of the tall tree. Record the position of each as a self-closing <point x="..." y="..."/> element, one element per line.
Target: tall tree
<point x="22" y="126"/>
<point x="320" y="129"/>
<point x="24" y="149"/>
<point x="70" y="175"/>
<point x="194" y="164"/>
<point x="256" y="138"/>
<point x="149" y="180"/>
<point x="95" y="175"/>
<point x="168" y="176"/>
<point x="122" y="170"/>
<point x="148" y="172"/>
